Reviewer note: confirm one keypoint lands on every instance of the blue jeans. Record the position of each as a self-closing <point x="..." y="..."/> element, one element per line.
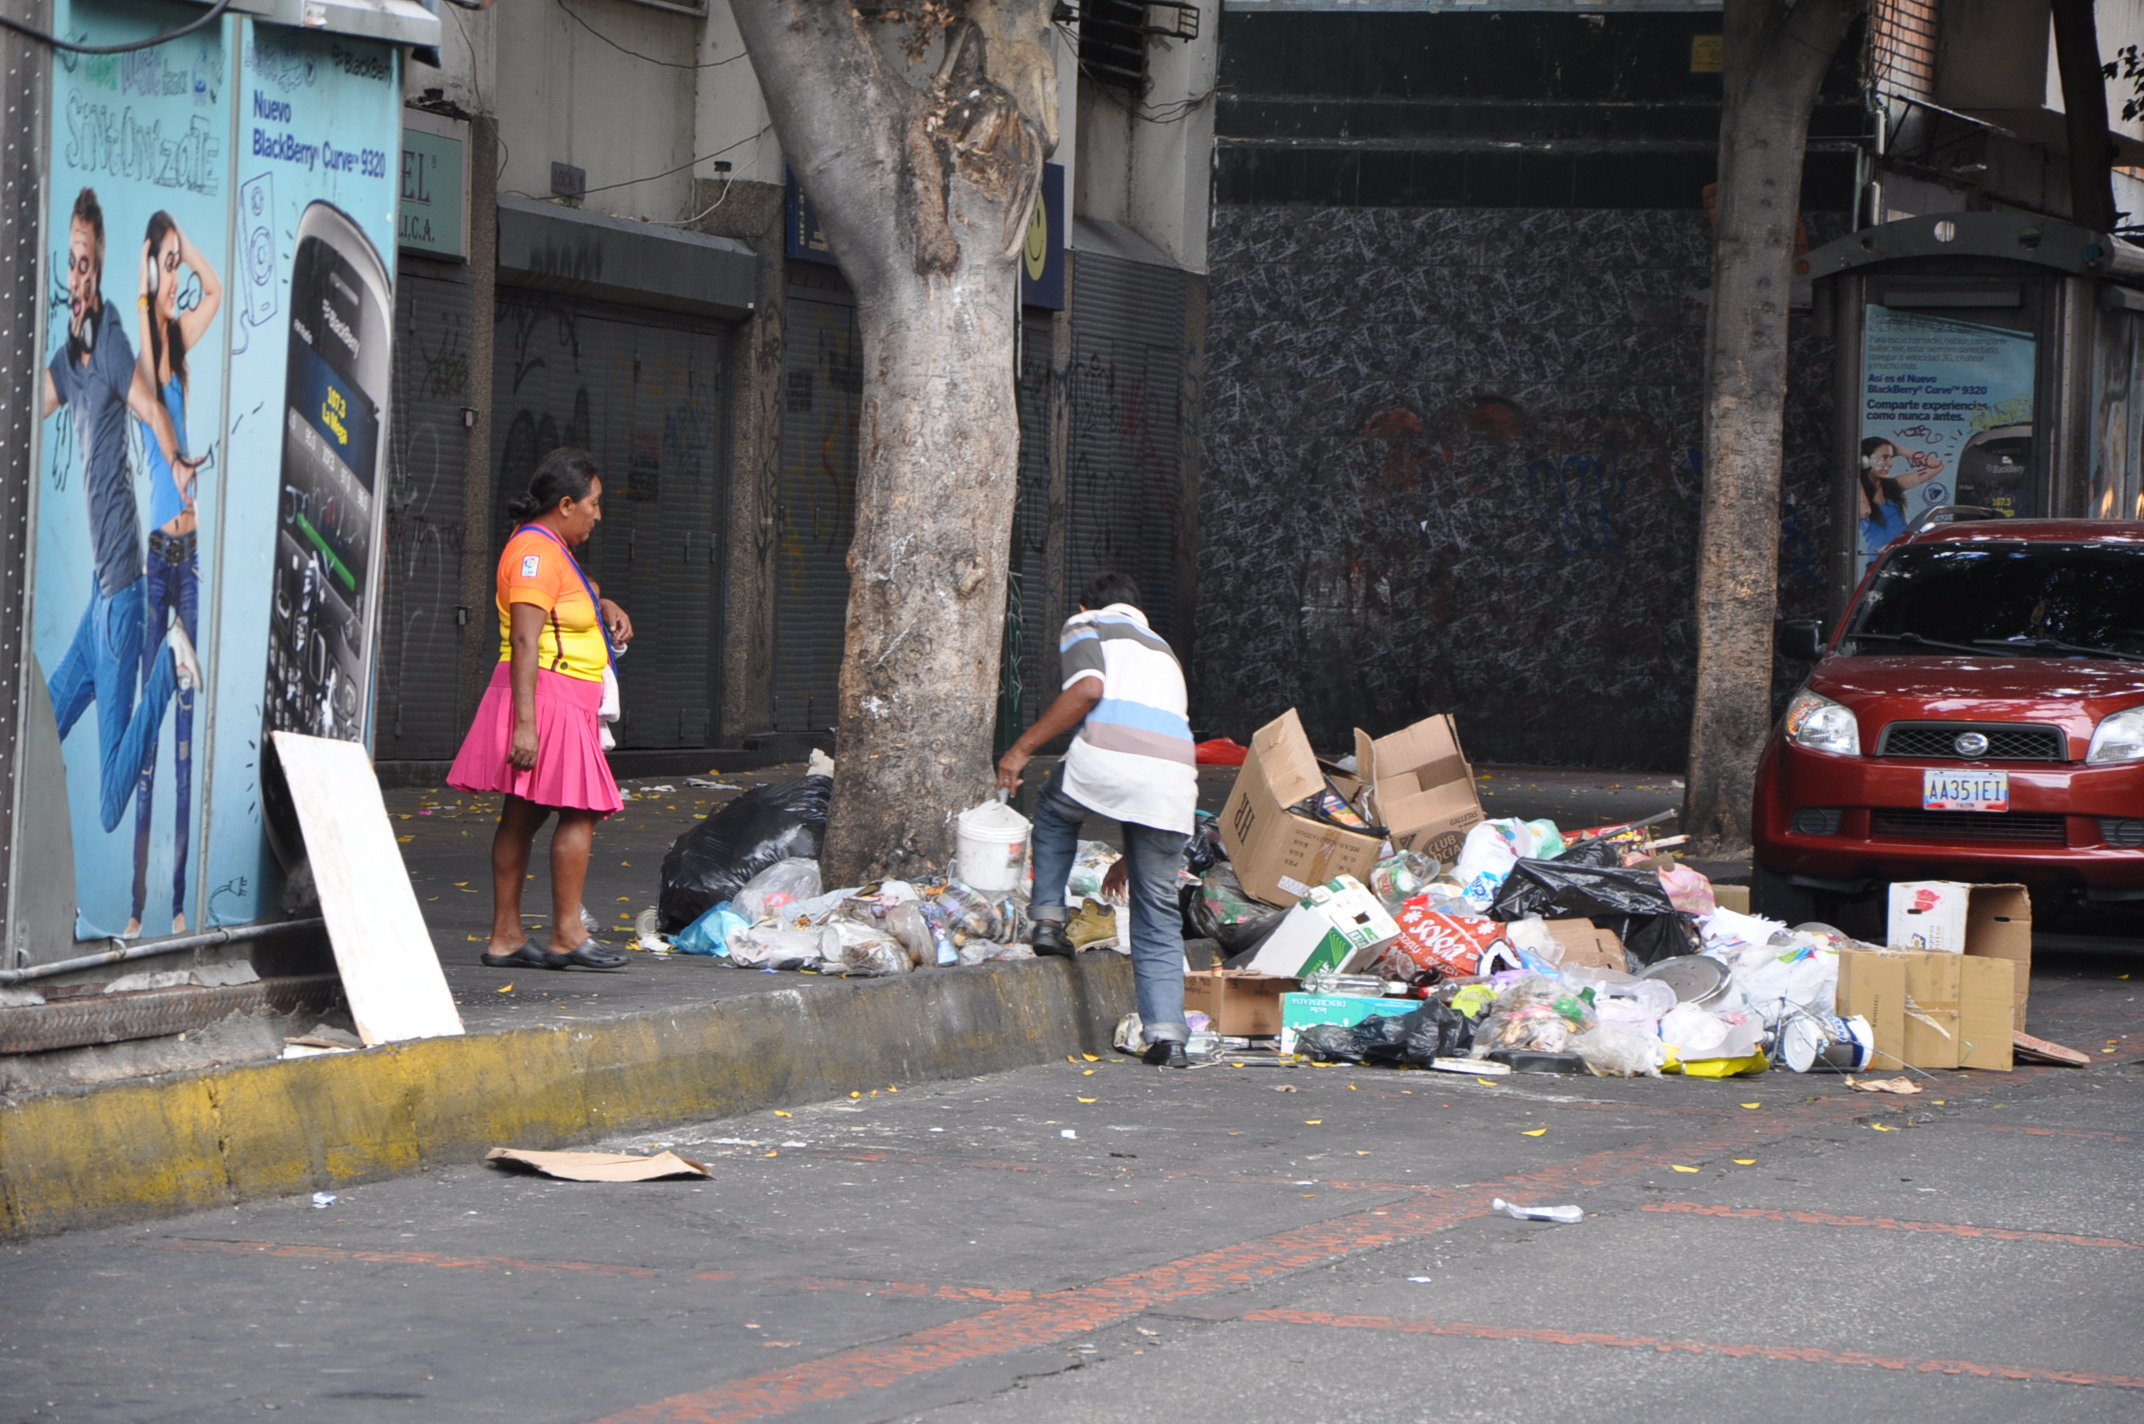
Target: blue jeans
<point x="1157" y="923"/>
<point x="174" y="592"/>
<point x="102" y="665"/>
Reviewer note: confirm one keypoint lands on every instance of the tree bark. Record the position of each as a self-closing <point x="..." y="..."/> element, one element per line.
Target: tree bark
<point x="1776" y="58"/>
<point x="924" y="183"/>
<point x="2084" y="106"/>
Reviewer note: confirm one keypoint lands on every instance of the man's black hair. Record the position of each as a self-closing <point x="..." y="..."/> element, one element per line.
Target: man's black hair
<point x="1109" y="587"/>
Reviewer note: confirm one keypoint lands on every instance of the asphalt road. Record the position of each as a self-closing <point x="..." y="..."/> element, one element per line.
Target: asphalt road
<point x="1102" y="1243"/>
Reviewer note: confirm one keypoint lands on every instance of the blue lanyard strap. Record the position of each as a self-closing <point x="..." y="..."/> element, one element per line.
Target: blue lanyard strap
<point x="575" y="564"/>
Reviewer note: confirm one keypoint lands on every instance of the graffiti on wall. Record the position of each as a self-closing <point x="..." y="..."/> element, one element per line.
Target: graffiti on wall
<point x="1450" y="465"/>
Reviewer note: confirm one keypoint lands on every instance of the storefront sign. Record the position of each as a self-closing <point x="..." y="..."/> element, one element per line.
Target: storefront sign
<point x="432" y="218"/>
<point x="1946" y="418"/>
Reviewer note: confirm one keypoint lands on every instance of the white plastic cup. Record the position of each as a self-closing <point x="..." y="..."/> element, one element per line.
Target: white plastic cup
<point x="991" y="847"/>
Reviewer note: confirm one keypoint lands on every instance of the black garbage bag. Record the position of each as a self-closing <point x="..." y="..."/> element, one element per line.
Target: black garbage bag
<point x="1630" y="902"/>
<point x="1383" y="1038"/>
<point x="1329" y="1043"/>
<point x="1202" y="848"/>
<point x="712" y="861"/>
<point x="1594" y="850"/>
<point x="1436" y="1030"/>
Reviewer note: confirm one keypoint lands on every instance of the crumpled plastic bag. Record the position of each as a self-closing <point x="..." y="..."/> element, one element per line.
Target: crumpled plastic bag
<point x="1688" y="890"/>
<point x="1631" y="902"/>
<point x="1399" y="878"/>
<point x="710" y="934"/>
<point x="784" y="883"/>
<point x="1484" y="860"/>
<point x="714" y="858"/>
<point x="763" y="947"/>
<point x="856" y="949"/>
<point x="1621" y="1050"/>
<point x="1437" y="1030"/>
<point x="1222" y="911"/>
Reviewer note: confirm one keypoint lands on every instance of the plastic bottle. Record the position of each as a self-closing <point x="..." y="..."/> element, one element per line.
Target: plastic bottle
<point x="1568" y="1215"/>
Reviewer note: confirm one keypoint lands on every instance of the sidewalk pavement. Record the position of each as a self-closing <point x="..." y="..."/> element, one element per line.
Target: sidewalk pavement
<point x="554" y="1058"/>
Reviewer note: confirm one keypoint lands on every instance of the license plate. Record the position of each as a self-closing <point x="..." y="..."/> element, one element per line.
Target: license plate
<point x="1965" y="790"/>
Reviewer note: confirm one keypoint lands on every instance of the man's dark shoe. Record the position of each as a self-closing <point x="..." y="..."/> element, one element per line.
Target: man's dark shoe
<point x="1048" y="937"/>
<point x="1167" y="1053"/>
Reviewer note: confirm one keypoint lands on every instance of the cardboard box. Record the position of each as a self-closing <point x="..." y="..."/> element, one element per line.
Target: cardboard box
<point x="1420" y="787"/>
<point x="1731" y="897"/>
<point x="1340" y="926"/>
<point x="1279" y="856"/>
<point x="1239" y="1003"/>
<point x="1301" y="1011"/>
<point x="1952" y="917"/>
<point x="1874" y="986"/>
<point x="1586" y="945"/>
<point x="1931" y="1008"/>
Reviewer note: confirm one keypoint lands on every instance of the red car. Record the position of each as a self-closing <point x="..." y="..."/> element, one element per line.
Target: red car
<point x="1978" y="716"/>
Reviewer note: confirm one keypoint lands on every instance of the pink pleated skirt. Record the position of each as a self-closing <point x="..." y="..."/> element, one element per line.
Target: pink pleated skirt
<point x="570" y="771"/>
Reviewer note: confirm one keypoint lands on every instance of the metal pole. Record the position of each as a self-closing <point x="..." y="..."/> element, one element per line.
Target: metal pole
<point x="175" y="944"/>
<point x="23" y="66"/>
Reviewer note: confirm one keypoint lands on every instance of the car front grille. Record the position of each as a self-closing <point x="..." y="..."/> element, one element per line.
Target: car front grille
<point x="2012" y="826"/>
<point x="2007" y="741"/>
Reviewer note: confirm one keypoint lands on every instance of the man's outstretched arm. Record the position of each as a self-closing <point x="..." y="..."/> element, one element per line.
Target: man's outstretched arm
<point x="1068" y="711"/>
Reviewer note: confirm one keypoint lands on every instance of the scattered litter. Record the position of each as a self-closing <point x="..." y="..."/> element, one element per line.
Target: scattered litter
<point x="2039" y="1050"/>
<point x="705" y="785"/>
<point x="1067" y="1133"/>
<point x="1903" y="1086"/>
<point x="1418" y="1280"/>
<point x="1568" y="1215"/>
<point x="599" y="1166"/>
<point x="323" y="1200"/>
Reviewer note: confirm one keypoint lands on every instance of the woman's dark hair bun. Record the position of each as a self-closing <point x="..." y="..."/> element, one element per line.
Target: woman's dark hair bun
<point x="566" y="473"/>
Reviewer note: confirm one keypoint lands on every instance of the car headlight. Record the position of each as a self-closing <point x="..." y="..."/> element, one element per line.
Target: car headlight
<point x="1823" y="725"/>
<point x="2118" y="737"/>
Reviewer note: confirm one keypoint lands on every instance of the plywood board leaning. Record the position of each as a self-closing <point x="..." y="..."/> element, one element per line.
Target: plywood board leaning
<point x="390" y="973"/>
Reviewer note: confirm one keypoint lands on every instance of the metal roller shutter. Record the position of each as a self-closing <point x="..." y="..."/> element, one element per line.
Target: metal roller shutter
<point x="1123" y="487"/>
<point x="644" y="395"/>
<point x="1037" y="620"/>
<point x="419" y="718"/>
<point x="822" y="393"/>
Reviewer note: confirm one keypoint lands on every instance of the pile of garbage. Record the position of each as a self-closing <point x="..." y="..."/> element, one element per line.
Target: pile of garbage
<point x="1544" y="951"/>
<point x="744" y="886"/>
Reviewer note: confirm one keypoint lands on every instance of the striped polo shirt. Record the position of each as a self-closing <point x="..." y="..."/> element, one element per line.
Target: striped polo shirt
<point x="1133" y="759"/>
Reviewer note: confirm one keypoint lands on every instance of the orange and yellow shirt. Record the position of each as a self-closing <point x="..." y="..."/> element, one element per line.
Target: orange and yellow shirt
<point x="536" y="569"/>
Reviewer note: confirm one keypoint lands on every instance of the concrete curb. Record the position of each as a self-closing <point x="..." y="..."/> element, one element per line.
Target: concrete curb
<point x="131" y="1151"/>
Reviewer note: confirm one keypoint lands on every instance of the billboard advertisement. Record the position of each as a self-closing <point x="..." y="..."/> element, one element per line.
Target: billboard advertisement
<point x="220" y="215"/>
<point x="1946" y="418"/>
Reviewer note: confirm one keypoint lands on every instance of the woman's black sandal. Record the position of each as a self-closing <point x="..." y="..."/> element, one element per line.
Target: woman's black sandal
<point x="589" y="954"/>
<point x="526" y="957"/>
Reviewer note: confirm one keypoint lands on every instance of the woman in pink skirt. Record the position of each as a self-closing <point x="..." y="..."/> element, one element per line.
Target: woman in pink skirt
<point x="537" y="738"/>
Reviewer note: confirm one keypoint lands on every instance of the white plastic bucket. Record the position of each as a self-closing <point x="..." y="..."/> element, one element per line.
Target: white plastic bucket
<point x="992" y="847"/>
<point x="1827" y="1045"/>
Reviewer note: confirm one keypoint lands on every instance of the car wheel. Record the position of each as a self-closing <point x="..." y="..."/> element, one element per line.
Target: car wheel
<point x="1774" y="897"/>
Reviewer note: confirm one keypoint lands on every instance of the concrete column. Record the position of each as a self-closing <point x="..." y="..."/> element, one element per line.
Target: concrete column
<point x="751" y="213"/>
<point x="480" y="632"/>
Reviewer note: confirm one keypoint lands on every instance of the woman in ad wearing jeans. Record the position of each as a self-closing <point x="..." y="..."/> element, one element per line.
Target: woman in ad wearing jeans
<point x="536" y="738"/>
<point x="173" y="584"/>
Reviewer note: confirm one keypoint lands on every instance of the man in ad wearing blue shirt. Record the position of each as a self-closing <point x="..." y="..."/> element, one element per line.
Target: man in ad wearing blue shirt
<point x="94" y="375"/>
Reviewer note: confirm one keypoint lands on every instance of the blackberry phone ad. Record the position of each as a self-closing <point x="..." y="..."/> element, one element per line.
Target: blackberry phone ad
<point x="216" y="332"/>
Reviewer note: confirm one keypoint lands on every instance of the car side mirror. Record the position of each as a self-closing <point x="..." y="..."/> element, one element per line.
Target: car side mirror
<point x="1801" y="639"/>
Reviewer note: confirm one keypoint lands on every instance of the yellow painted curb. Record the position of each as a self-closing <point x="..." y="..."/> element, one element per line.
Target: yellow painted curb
<point x="131" y="1151"/>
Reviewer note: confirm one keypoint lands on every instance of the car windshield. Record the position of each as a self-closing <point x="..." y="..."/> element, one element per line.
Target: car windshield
<point x="2044" y="599"/>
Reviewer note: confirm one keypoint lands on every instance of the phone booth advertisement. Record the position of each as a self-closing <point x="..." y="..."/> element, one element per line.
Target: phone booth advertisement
<point x="219" y="227"/>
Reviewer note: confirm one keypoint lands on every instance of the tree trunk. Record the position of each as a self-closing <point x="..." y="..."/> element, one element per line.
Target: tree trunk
<point x="924" y="183"/>
<point x="1776" y="59"/>
<point x="2084" y="104"/>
